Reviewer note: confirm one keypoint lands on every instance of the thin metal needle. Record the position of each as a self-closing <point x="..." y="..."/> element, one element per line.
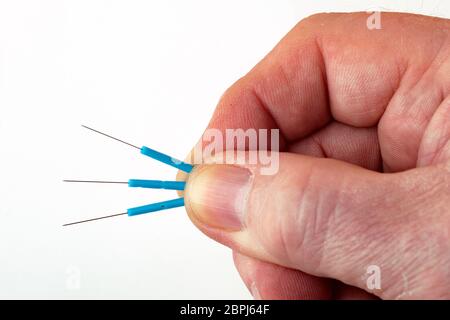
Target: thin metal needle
<point x="107" y="135"/>
<point x="93" y="219"/>
<point x="96" y="181"/>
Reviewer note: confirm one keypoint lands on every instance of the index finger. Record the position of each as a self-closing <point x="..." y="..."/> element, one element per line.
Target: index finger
<point x="329" y="66"/>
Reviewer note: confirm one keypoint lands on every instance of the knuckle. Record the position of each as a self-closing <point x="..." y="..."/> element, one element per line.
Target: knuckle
<point x="317" y="18"/>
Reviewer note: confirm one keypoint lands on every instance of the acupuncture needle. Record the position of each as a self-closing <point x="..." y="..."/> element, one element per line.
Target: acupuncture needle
<point x="158" y="206"/>
<point x="139" y="183"/>
<point x="149" y="152"/>
<point x="158" y="184"/>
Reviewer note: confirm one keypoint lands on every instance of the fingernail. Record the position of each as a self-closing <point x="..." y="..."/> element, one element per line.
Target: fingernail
<point x="217" y="195"/>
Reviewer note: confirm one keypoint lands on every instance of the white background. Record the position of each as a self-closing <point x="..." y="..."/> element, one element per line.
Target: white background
<point x="149" y="72"/>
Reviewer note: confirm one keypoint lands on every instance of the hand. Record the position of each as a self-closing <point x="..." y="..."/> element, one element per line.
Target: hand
<point x="364" y="172"/>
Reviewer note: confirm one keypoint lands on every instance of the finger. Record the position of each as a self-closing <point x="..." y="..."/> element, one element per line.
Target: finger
<point x="269" y="281"/>
<point x="435" y="145"/>
<point x="358" y="146"/>
<point x="338" y="141"/>
<point x="424" y="87"/>
<point x="326" y="67"/>
<point x="327" y="218"/>
<point x="318" y="72"/>
<point x="353" y="145"/>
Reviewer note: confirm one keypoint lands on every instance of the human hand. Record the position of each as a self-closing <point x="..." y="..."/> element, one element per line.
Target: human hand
<point x="364" y="172"/>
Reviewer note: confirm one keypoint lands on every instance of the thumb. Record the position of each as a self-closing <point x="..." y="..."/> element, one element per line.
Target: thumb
<point x="321" y="216"/>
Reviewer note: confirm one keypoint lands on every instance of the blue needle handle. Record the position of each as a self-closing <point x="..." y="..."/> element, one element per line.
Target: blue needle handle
<point x="157" y="184"/>
<point x="164" y="158"/>
<point x="156" y="207"/>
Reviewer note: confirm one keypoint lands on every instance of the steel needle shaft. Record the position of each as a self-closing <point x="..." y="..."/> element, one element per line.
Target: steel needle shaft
<point x="153" y="207"/>
<point x="96" y="181"/>
<point x="107" y="135"/>
<point x="93" y="219"/>
<point x="149" y="152"/>
<point x="138" y="183"/>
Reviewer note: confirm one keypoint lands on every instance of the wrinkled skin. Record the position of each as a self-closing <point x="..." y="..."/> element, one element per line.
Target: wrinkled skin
<point x="376" y="105"/>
